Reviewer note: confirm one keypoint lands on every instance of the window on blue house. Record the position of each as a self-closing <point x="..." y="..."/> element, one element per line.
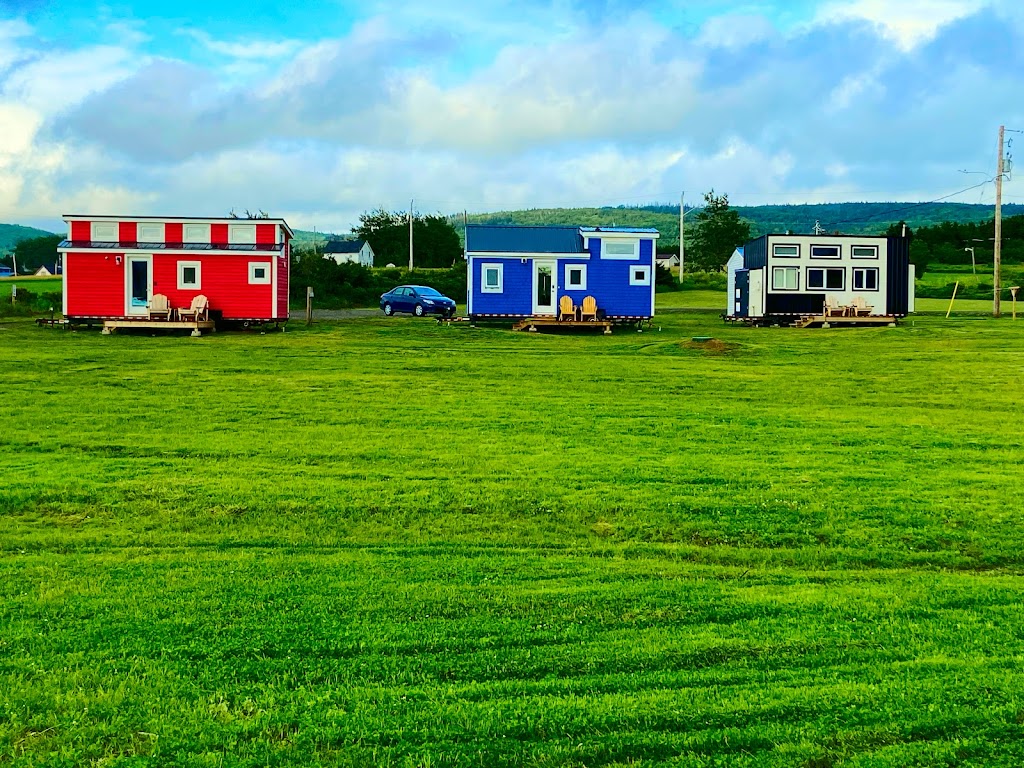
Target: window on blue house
<point x="621" y="249"/>
<point x="575" y="277"/>
<point x="491" y="278"/>
<point x="639" y="275"/>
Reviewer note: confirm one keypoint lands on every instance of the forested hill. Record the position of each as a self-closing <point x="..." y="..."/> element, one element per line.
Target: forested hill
<point x="848" y="218"/>
<point x="12" y="234"/>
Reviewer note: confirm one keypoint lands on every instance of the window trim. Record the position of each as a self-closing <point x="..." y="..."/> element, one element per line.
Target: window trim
<point x="182" y="285"/>
<point x="873" y="248"/>
<point x="95" y="237"/>
<point x="154" y="225"/>
<point x="583" y="277"/>
<point x="500" y="269"/>
<point x="253" y="266"/>
<point x="234" y="229"/>
<point x="646" y="280"/>
<point x="777" y="255"/>
<point x="794" y="270"/>
<point x="837" y="246"/>
<point x="204" y="228"/>
<point x="864" y="271"/>
<point x="824" y="278"/>
<point x="633" y="256"/>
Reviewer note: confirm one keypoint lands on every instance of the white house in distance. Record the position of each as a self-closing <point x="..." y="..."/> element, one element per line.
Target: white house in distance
<point x="350" y="251"/>
<point x="780" y="278"/>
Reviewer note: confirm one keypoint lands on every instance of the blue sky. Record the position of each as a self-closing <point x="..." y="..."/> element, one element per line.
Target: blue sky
<point x="320" y="112"/>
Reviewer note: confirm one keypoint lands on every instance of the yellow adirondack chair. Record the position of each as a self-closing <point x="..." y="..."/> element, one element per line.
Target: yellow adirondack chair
<point x="589" y="310"/>
<point x="566" y="309"/>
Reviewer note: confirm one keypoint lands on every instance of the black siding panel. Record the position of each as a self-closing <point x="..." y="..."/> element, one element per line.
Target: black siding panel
<point x="897" y="276"/>
<point x="755" y="253"/>
<point x="743" y="285"/>
<point x="795" y="304"/>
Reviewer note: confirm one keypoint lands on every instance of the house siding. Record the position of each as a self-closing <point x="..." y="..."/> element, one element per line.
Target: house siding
<point x="81" y="231"/>
<point x="94" y="284"/>
<point x="282" y="285"/>
<point x="516" y="298"/>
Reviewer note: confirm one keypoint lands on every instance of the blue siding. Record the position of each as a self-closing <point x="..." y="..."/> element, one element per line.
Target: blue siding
<point x="516" y="297"/>
<point x="608" y="282"/>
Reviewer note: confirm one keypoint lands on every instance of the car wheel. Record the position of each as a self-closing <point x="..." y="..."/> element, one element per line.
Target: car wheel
<point x="419" y="310"/>
<point x="388" y="310"/>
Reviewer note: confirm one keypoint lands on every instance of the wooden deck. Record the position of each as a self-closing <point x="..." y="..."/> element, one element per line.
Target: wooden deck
<point x="827" y="321"/>
<point x="536" y="323"/>
<point x="196" y="326"/>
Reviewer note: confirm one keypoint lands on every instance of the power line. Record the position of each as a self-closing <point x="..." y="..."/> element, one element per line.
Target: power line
<point x="910" y="207"/>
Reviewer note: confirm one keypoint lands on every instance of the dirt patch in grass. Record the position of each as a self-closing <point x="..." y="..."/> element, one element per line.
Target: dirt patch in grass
<point x="712" y="346"/>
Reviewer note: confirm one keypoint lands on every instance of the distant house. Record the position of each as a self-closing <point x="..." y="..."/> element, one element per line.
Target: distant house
<point x="6" y="271"/>
<point x="350" y="251"/>
<point x="517" y="271"/>
<point x="667" y="260"/>
<point x="776" y="278"/>
<point x="47" y="270"/>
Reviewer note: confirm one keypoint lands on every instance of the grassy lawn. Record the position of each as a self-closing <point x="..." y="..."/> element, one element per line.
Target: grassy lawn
<point x="691" y="299"/>
<point x="388" y="542"/>
<point x="34" y="284"/>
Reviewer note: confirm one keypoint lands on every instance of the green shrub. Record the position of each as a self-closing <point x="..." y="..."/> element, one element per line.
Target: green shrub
<point x="342" y="286"/>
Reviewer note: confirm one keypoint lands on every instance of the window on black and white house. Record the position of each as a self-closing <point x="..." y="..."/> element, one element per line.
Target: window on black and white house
<point x="826" y="279"/>
<point x="865" y="279"/>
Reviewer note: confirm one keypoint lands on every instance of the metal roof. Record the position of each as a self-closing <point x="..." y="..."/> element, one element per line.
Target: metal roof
<point x="179" y="219"/>
<point x="343" y="246"/>
<point x="627" y="230"/>
<point x="81" y="245"/>
<point x="516" y="239"/>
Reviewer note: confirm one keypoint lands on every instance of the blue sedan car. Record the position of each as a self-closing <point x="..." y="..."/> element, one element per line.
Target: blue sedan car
<point x="417" y="299"/>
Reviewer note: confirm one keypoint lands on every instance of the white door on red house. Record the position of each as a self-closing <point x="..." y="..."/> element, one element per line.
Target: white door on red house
<point x="138" y="285"/>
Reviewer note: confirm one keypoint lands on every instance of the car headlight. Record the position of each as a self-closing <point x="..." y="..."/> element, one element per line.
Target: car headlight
<point x="428" y="301"/>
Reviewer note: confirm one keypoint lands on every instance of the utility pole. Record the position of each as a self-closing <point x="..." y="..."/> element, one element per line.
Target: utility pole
<point x="410" y="234"/>
<point x="998" y="257"/>
<point x="682" y="236"/>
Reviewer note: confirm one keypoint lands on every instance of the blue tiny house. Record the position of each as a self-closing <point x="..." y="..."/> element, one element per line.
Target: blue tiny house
<point x="519" y="271"/>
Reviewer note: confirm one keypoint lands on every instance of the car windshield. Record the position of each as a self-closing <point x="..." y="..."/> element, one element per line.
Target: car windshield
<point x="424" y="291"/>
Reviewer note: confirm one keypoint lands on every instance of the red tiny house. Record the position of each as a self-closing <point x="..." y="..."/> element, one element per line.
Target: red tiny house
<point x="114" y="265"/>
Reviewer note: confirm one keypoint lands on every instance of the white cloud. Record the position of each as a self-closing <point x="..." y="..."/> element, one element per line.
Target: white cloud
<point x="244" y="49"/>
<point x="907" y="22"/>
<point x="52" y="83"/>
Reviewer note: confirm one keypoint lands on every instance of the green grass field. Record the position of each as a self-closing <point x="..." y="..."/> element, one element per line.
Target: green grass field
<point x="387" y="542"/>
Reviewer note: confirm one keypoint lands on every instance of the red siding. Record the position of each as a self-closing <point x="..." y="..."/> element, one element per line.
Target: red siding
<point x="219" y="233"/>
<point x="282" y="286"/>
<point x="80" y="230"/>
<point x="224" y="280"/>
<point x="95" y="284"/>
<point x="172" y="233"/>
<point x="126" y="232"/>
<point x="265" y="233"/>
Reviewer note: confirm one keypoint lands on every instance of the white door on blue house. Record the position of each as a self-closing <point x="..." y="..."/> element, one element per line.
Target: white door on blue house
<point x="138" y="284"/>
<point x="543" y="287"/>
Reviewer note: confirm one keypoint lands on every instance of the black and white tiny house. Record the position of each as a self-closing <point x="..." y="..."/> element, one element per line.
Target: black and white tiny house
<point x="777" y="278"/>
